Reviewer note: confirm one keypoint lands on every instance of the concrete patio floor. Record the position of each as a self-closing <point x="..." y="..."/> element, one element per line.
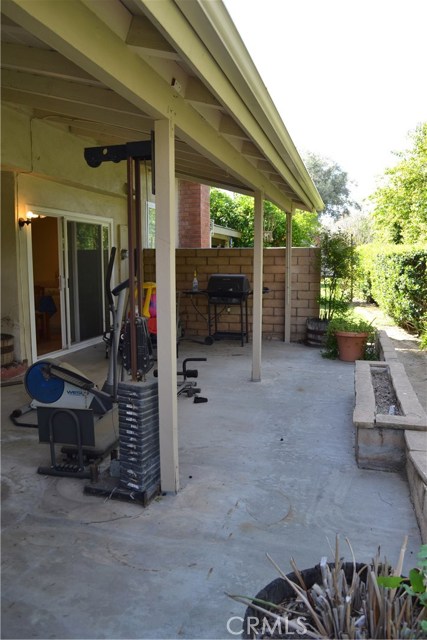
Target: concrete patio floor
<point x="264" y="467"/>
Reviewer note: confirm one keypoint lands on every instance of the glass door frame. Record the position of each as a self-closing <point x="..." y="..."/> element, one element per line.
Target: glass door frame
<point x="64" y="291"/>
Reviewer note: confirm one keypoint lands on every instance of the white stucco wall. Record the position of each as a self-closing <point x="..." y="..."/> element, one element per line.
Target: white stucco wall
<point x="45" y="167"/>
<point x="9" y="266"/>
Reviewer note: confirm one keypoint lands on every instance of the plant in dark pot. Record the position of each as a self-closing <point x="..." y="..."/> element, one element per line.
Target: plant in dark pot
<point x="350" y="338"/>
<point x="338" y="261"/>
<point x="341" y="600"/>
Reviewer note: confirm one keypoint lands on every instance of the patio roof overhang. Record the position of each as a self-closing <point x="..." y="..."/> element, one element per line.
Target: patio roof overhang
<point x="115" y="70"/>
<point x="108" y="69"/>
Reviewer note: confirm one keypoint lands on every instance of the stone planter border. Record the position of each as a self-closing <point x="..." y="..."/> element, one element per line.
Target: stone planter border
<point x="365" y="414"/>
<point x="391" y="442"/>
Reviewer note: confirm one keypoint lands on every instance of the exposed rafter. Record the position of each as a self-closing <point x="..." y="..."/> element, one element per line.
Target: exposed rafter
<point x="144" y="35"/>
<point x="69" y="109"/>
<point x="73" y="92"/>
<point x="196" y="91"/>
<point x="43" y="62"/>
<point x="109" y="70"/>
<point x="230" y="127"/>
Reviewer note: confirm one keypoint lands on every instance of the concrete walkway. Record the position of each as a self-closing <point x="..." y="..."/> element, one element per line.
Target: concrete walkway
<point x="265" y="467"/>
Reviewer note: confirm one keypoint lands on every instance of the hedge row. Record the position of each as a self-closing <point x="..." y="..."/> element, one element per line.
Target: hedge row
<point x="395" y="277"/>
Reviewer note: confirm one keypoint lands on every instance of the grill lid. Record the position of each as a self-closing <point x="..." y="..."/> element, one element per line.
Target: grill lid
<point x="228" y="284"/>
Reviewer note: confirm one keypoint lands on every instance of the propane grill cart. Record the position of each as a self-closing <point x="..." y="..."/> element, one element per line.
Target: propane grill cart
<point x="228" y="289"/>
<point x="224" y="290"/>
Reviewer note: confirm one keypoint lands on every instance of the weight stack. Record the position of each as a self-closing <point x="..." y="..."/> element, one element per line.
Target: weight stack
<point x="138" y="406"/>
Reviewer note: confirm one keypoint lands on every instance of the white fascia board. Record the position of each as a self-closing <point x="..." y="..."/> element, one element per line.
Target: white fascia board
<point x="76" y="32"/>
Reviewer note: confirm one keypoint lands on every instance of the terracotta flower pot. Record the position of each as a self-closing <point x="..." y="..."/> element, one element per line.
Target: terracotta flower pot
<point x="351" y="345"/>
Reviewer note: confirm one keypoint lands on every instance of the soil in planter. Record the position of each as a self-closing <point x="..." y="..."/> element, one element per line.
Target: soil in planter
<point x="386" y="401"/>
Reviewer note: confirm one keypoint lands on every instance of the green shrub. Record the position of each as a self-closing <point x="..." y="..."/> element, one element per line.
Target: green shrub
<point x="338" y="262"/>
<point x="395" y="277"/>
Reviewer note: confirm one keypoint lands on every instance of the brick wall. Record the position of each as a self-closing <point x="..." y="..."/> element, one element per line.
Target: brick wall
<point x="194" y="214"/>
<point x="305" y="287"/>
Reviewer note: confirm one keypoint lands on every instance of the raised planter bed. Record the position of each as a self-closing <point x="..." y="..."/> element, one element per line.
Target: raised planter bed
<point x="416" y="471"/>
<point x="380" y="442"/>
<point x="391" y="430"/>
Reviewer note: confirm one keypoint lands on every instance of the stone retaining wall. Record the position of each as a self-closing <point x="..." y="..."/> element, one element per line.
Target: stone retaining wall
<point x="416" y="470"/>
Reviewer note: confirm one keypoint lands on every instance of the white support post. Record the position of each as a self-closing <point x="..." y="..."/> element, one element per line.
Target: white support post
<point x="166" y="302"/>
<point x="288" y="292"/>
<point x="257" y="286"/>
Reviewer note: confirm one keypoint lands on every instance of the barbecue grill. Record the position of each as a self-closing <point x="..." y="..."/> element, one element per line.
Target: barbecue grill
<point x="228" y="289"/>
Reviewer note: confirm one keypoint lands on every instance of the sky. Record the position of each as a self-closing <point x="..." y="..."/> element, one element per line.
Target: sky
<point x="348" y="77"/>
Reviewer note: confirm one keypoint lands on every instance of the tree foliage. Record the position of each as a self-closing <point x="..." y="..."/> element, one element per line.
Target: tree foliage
<point x="88" y="236"/>
<point x="338" y="263"/>
<point x="358" y="225"/>
<point x="305" y="229"/>
<point x="333" y="185"/>
<point x="400" y="203"/>
<point x="237" y="212"/>
<point x="234" y="212"/>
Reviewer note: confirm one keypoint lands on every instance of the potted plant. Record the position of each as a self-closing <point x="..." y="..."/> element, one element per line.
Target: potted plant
<point x="350" y="338"/>
<point x="337" y="266"/>
<point x="341" y="600"/>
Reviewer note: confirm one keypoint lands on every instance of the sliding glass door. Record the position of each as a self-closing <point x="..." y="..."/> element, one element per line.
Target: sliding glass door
<point x="69" y="263"/>
<point x="87" y="257"/>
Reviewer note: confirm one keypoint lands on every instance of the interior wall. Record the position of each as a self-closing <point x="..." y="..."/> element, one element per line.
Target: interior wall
<point x="45" y="262"/>
<point x="44" y="236"/>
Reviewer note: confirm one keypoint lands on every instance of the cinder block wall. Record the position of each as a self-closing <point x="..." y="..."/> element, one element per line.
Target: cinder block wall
<point x="193" y="309"/>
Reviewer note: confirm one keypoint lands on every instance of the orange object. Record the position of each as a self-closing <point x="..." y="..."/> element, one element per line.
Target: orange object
<point x="152" y="325"/>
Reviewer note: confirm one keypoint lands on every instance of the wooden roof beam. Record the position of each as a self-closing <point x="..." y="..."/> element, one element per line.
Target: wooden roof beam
<point x="42" y="61"/>
<point x="69" y="109"/>
<point x="66" y="90"/>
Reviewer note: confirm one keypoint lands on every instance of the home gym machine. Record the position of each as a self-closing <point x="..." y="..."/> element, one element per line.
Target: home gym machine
<point x="73" y="412"/>
<point x="136" y="476"/>
<point x="70" y="408"/>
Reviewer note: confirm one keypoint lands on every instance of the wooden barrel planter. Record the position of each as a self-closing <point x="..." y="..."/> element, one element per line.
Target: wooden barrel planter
<point x="7" y="355"/>
<point x="316" y="332"/>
